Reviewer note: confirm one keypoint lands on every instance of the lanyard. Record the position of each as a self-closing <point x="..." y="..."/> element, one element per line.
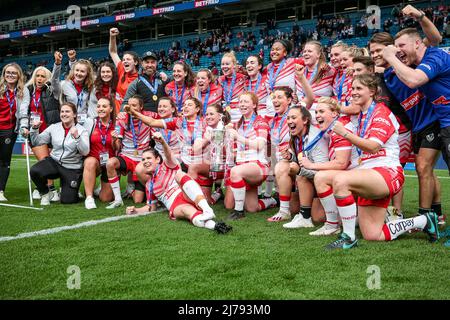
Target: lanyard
<point x="280" y="126"/>
<point x="205" y="102"/>
<point x="341" y="84"/>
<point x="299" y="145"/>
<point x="154" y="89"/>
<point x="80" y="97"/>
<point x="11" y="101"/>
<point x="186" y="131"/>
<point x="179" y="101"/>
<point x="103" y="136"/>
<point x="36" y="101"/>
<point x="272" y="78"/>
<point x="166" y="136"/>
<point x="133" y="132"/>
<point x="256" y="86"/>
<point x="362" y="132"/>
<point x="152" y="182"/>
<point x="316" y="138"/>
<point x="249" y="126"/>
<point x="312" y="75"/>
<point x="229" y="93"/>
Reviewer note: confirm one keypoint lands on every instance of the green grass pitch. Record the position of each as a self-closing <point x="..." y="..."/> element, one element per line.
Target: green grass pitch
<point x="152" y="257"/>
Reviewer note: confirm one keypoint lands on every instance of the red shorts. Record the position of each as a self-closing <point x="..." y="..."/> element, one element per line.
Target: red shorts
<point x="179" y="200"/>
<point x="128" y="165"/>
<point x="394" y="180"/>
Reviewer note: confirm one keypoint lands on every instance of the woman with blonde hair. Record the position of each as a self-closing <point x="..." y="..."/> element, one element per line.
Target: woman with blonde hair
<point x="78" y="88"/>
<point x="14" y="100"/>
<point x="44" y="106"/>
<point x="233" y="83"/>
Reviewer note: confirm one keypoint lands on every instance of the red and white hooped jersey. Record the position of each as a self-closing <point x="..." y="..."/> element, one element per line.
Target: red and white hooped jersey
<point x="163" y="186"/>
<point x="238" y="89"/>
<point x="215" y="95"/>
<point x="172" y="90"/>
<point x="172" y="139"/>
<point x="346" y="81"/>
<point x="322" y="88"/>
<point x="141" y="130"/>
<point x="338" y="143"/>
<point x="286" y="77"/>
<point x="187" y="132"/>
<point x="262" y="93"/>
<point x="259" y="130"/>
<point x="279" y="134"/>
<point x="383" y="129"/>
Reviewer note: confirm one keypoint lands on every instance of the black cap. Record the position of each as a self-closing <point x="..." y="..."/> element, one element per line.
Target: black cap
<point x="149" y="54"/>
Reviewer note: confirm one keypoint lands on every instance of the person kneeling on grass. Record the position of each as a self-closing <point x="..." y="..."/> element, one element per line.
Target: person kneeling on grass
<point x="70" y="142"/>
<point x="180" y="194"/>
<point x="376" y="178"/>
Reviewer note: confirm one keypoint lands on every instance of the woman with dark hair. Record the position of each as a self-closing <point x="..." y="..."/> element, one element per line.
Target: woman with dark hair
<point x="127" y="68"/>
<point x="206" y="90"/>
<point x="102" y="148"/>
<point x="14" y="101"/>
<point x="70" y="144"/>
<point x="180" y="194"/>
<point x="256" y="80"/>
<point x="106" y="81"/>
<point x="179" y="89"/>
<point x="281" y="71"/>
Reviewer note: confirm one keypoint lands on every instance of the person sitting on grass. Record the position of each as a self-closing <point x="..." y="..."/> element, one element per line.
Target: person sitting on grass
<point x="179" y="193"/>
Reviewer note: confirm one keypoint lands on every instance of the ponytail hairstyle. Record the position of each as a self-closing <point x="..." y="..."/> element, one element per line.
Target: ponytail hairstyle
<point x="89" y="80"/>
<point x="288" y="92"/>
<point x="198" y="105"/>
<point x="210" y="76"/>
<point x="232" y="56"/>
<point x="137" y="62"/>
<point x="255" y="101"/>
<point x="370" y="81"/>
<point x="172" y="104"/>
<point x="141" y="104"/>
<point x="226" y="118"/>
<point x="71" y="106"/>
<point x="322" y="66"/>
<point x="155" y="153"/>
<point x="306" y="116"/>
<point x="332" y="104"/>
<point x="112" y="106"/>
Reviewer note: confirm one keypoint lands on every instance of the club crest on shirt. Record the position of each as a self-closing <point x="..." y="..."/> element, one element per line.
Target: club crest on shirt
<point x="7" y="141"/>
<point x="430" y="137"/>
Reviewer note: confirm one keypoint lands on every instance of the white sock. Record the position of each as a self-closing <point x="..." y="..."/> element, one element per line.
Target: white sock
<point x="331" y="210"/>
<point x="238" y="189"/>
<point x="210" y="224"/>
<point x="396" y="228"/>
<point x="115" y="186"/>
<point x="191" y="188"/>
<point x="284" y="203"/>
<point x="347" y="211"/>
<point x="269" y="186"/>
<point x="266" y="203"/>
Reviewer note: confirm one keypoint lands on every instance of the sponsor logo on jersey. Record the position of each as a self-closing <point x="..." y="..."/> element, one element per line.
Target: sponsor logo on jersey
<point x="412" y="100"/>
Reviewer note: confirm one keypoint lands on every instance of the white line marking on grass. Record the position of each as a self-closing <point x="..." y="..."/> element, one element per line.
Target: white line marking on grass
<point x="412" y="176"/>
<point x="75" y="226"/>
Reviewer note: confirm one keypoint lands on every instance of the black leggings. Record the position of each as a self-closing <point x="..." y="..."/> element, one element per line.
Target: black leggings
<point x="48" y="168"/>
<point x="7" y="141"/>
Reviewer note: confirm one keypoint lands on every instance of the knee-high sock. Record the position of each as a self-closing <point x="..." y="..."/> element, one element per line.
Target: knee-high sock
<point x="115" y="186"/>
<point x="192" y="189"/>
<point x="396" y="228"/>
<point x="238" y="189"/>
<point x="269" y="186"/>
<point x="347" y="211"/>
<point x="329" y="204"/>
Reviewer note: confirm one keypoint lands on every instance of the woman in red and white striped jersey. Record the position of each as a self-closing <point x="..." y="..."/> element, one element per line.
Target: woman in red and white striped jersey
<point x="180" y="88"/>
<point x="206" y="90"/>
<point x="179" y="193"/>
<point x="232" y="83"/>
<point x="256" y="82"/>
<point x="251" y="134"/>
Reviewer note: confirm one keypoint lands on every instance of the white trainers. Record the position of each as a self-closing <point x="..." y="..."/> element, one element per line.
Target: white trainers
<point x="97" y="190"/>
<point x="115" y="204"/>
<point x="54" y="196"/>
<point x="299" y="222"/>
<point x="326" y="230"/>
<point x="45" y="199"/>
<point x="128" y="191"/>
<point x="280" y="216"/>
<point x="36" y="194"/>
<point x="89" y="203"/>
<point x="2" y="196"/>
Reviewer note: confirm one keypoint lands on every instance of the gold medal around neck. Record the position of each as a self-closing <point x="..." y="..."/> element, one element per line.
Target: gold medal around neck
<point x="228" y="108"/>
<point x="155" y="97"/>
<point x="359" y="161"/>
<point x="136" y="152"/>
<point x="299" y="156"/>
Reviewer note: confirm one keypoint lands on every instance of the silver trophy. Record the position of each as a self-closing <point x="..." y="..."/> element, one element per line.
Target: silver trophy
<point x="217" y="154"/>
